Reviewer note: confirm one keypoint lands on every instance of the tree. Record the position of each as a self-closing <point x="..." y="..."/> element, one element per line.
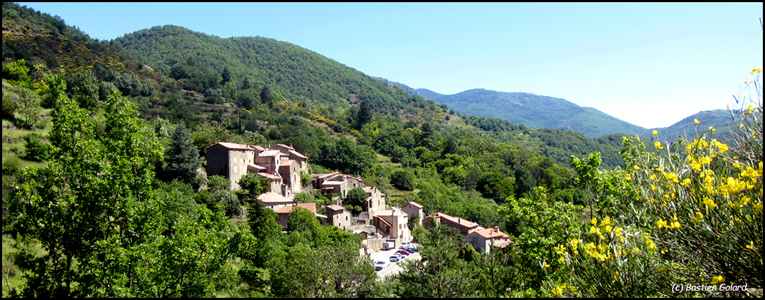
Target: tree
<point x="365" y="114"/>
<point x="225" y="76"/>
<point x="252" y="185"/>
<point x="36" y="149"/>
<point x="182" y="157"/>
<point x="356" y="197"/>
<point x="403" y="180"/>
<point x="100" y="222"/>
<point x="265" y="95"/>
<point x="28" y="108"/>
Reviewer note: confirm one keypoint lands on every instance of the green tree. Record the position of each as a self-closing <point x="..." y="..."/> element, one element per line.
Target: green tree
<point x="100" y="222"/>
<point x="28" y="108"/>
<point x="402" y="179"/>
<point x="182" y="157"/>
<point x="252" y="185"/>
<point x="357" y="198"/>
<point x="365" y="114"/>
<point x="37" y="150"/>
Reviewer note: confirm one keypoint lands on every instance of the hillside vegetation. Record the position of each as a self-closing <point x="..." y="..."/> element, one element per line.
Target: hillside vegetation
<point x="102" y="197"/>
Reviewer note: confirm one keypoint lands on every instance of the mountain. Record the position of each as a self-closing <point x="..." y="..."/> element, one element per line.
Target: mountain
<point x="406" y="88"/>
<point x="720" y="119"/>
<point x="534" y="111"/>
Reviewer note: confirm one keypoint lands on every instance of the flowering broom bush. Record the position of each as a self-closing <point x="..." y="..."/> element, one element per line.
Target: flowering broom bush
<point x="686" y="213"/>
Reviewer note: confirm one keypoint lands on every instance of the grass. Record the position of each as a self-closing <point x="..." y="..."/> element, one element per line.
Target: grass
<point x="15" y="279"/>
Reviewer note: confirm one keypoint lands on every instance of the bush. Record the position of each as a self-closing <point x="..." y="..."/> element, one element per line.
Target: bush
<point x="403" y="180"/>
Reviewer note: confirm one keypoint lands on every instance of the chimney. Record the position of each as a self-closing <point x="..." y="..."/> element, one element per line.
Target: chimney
<point x="459" y="220"/>
<point x="496" y="228"/>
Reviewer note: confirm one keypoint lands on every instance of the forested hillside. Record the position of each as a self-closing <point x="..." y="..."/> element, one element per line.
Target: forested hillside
<point x="102" y="197"/>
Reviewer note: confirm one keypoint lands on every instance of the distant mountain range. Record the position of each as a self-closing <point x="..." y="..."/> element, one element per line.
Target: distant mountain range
<point x="536" y="111"/>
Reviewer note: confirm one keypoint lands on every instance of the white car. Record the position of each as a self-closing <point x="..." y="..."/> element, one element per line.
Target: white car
<point x="395" y="258"/>
<point x="381" y="264"/>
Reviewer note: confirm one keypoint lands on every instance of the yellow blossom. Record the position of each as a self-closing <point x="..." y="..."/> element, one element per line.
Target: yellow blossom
<point x="696" y="121"/>
<point x="711" y="128"/>
<point x="636" y="167"/>
<point x="751" y="245"/>
<point x="650" y="243"/>
<point x="717" y="280"/>
<point x="628" y="177"/>
<point x="658" y="145"/>
<point x="605" y="222"/>
<point x="698" y="217"/>
<point x="573" y="288"/>
<point x="709" y="202"/>
<point x="594" y="221"/>
<point x="653" y="187"/>
<point x="652" y="177"/>
<point x="561" y="249"/>
<point x="561" y="260"/>
<point x="685" y="182"/>
<point x="661" y="224"/>
<point x="656" y="132"/>
<point x="756" y="70"/>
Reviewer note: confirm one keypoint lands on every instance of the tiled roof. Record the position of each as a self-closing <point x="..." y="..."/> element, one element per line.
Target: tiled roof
<point x="285" y="146"/>
<point x="272" y="197"/>
<point x="269" y="153"/>
<point x="256" y="167"/>
<point x="383" y="220"/>
<point x="259" y="148"/>
<point x="491" y="233"/>
<point x="458" y="221"/>
<point x="287" y="162"/>
<point x="231" y="146"/>
<point x="335" y="207"/>
<point x="415" y="204"/>
<point x="293" y="152"/>
<point x="269" y="176"/>
<point x="369" y="189"/>
<point x="502" y="244"/>
<point x="288" y="208"/>
<point x="322" y="176"/>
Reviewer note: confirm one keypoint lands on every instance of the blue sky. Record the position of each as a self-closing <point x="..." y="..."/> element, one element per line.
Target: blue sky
<point x="650" y="64"/>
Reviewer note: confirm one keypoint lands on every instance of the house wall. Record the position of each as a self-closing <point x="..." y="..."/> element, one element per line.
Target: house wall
<point x="463" y="230"/>
<point x="376" y="201"/>
<point x="341" y="219"/>
<point x="231" y="163"/>
<point x="479" y="243"/>
<point x="291" y="177"/>
<point x="414" y="212"/>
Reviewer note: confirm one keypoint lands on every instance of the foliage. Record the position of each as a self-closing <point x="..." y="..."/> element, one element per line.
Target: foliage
<point x="95" y="212"/>
<point x="182" y="157"/>
<point x="357" y="198"/>
<point x="37" y="150"/>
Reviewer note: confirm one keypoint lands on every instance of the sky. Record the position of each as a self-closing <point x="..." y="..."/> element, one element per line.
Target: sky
<point x="650" y="64"/>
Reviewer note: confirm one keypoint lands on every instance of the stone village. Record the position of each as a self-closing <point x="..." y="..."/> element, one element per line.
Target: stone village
<point x="282" y="166"/>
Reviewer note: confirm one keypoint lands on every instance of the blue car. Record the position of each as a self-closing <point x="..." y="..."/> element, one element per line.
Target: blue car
<point x="410" y="250"/>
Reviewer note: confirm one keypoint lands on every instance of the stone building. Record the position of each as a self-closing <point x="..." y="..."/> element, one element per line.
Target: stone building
<point x="392" y="223"/>
<point x="483" y="240"/>
<point x="465" y="227"/>
<point x="376" y="200"/>
<point x="284" y="212"/>
<point x="414" y="211"/>
<point x="339" y="216"/>
<point x="281" y="165"/>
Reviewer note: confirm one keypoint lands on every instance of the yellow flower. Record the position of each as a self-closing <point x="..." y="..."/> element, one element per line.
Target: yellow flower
<point x="653" y="187"/>
<point x="594" y="221"/>
<point x="650" y="243"/>
<point x="756" y="70"/>
<point x="658" y="145"/>
<point x="652" y="177"/>
<point x="709" y="202"/>
<point x="561" y="249"/>
<point x="696" y="121"/>
<point x="572" y="288"/>
<point x="661" y="223"/>
<point x="685" y="182"/>
<point x="562" y="260"/>
<point x="628" y="177"/>
<point x="605" y="222"/>
<point x="751" y="245"/>
<point x="698" y="217"/>
<point x="656" y="132"/>
<point x="711" y="128"/>
<point x="636" y="167"/>
<point x="717" y="280"/>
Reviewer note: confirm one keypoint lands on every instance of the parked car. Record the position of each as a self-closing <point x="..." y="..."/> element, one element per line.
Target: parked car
<point x="395" y="257"/>
<point x="381" y="264"/>
<point x="406" y="244"/>
<point x="403" y="252"/>
<point x="410" y="250"/>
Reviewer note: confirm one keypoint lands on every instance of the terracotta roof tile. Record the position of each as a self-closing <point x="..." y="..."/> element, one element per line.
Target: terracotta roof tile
<point x="288" y="208"/>
<point x="458" y="221"/>
<point x="231" y="146"/>
<point x="415" y="204"/>
<point x="335" y="207"/>
<point x="293" y="152"/>
<point x="272" y="197"/>
<point x="269" y="153"/>
<point x="491" y="233"/>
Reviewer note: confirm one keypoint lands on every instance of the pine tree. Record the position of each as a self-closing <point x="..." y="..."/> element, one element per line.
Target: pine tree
<point x="182" y="157"/>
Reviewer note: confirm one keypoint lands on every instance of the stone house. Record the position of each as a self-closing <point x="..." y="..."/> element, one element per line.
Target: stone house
<point x="234" y="160"/>
<point x="483" y="240"/>
<point x="414" y="211"/>
<point x="289" y="153"/>
<point x="465" y="227"/>
<point x="339" y="216"/>
<point x="275" y="201"/>
<point x="376" y="200"/>
<point x="336" y="183"/>
<point x="392" y="223"/>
